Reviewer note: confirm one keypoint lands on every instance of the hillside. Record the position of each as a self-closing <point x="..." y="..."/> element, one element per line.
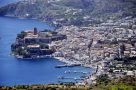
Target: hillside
<point x="69" y="12"/>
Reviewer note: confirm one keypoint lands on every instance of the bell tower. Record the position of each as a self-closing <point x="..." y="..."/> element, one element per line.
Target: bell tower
<point x="35" y="31"/>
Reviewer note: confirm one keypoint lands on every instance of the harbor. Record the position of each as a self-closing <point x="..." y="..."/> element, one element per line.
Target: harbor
<point x="25" y="71"/>
<point x="57" y="66"/>
<point x="67" y="79"/>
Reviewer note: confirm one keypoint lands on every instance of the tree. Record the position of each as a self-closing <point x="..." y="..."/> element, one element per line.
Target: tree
<point x="103" y="79"/>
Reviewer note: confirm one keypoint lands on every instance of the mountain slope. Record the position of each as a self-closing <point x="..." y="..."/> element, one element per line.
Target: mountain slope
<point x="70" y="11"/>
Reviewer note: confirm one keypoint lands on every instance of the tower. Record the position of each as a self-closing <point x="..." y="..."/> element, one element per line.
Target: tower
<point x="35" y="31"/>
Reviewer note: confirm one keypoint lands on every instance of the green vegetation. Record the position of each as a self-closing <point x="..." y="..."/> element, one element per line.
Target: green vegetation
<point x="21" y="35"/>
<point x="103" y="79"/>
<point x="124" y="83"/>
<point x="45" y="87"/>
<point x="114" y="87"/>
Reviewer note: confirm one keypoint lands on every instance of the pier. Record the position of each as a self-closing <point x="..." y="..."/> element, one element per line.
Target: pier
<point x="62" y="78"/>
<point x="67" y="65"/>
<point x="76" y="72"/>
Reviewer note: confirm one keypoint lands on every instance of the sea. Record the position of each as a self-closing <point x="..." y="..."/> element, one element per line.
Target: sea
<point x="27" y="72"/>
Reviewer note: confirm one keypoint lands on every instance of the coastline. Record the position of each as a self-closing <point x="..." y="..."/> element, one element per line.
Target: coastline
<point x="19" y="17"/>
<point x="62" y="59"/>
<point x="74" y="62"/>
<point x="88" y="80"/>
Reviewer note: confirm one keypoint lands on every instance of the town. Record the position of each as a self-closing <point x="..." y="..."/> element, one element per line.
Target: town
<point x="96" y="35"/>
<point x="109" y="47"/>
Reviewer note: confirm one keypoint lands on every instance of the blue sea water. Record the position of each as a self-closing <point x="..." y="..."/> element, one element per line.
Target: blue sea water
<point x="18" y="72"/>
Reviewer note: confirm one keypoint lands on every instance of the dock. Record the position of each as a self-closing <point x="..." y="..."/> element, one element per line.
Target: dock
<point x="76" y="72"/>
<point x="67" y="65"/>
<point x="62" y="78"/>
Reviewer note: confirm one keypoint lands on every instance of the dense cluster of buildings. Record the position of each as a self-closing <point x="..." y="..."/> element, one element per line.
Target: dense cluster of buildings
<point x="32" y="44"/>
<point x="99" y="45"/>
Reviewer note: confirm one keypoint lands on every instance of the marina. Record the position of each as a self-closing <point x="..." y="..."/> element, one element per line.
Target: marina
<point x="76" y="72"/>
<point x="26" y="71"/>
<point x="70" y="78"/>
